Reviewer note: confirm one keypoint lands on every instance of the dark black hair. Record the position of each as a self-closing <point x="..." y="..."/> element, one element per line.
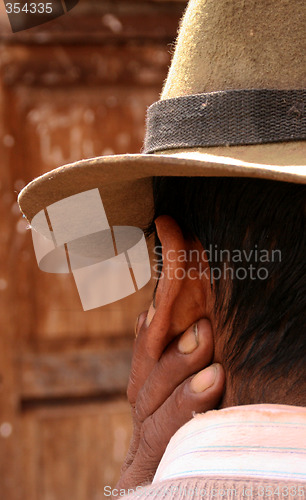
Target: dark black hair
<point x="265" y="318"/>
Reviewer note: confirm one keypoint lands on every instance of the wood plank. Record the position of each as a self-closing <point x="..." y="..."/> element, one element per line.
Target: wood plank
<point x="74" y="374"/>
<point x="53" y="127"/>
<point x="74" y="452"/>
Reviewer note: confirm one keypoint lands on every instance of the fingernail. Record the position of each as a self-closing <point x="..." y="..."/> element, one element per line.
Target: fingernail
<point x="189" y="341"/>
<point x="204" y="379"/>
<point x="150" y="315"/>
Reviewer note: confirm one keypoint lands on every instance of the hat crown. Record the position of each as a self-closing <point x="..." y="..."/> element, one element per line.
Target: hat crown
<point x="239" y="44"/>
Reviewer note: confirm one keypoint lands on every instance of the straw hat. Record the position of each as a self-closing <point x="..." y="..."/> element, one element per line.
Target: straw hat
<point x="233" y="105"/>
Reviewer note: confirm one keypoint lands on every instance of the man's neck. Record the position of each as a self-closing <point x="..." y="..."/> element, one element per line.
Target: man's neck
<point x="233" y="397"/>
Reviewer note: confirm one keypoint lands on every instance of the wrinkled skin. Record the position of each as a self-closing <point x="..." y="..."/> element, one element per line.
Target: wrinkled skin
<point x="164" y="389"/>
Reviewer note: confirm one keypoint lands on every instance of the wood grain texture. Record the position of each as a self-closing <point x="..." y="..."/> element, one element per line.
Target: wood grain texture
<point x="51" y="127"/>
<point x="11" y="479"/>
<point x="73" y="88"/>
<point x="134" y="63"/>
<point x="75" y="374"/>
<point x="74" y="451"/>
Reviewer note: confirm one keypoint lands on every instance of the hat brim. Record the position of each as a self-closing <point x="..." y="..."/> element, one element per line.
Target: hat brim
<point x="124" y="181"/>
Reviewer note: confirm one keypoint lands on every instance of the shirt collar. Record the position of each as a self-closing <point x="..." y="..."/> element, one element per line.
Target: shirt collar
<point x="267" y="441"/>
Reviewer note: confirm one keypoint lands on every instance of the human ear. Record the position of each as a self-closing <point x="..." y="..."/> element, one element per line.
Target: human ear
<point x="180" y="296"/>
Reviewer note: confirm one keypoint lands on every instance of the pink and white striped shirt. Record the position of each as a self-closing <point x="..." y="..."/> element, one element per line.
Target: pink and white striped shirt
<point x="255" y="441"/>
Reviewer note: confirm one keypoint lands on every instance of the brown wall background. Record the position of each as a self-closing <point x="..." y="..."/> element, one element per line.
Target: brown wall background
<point x="73" y="88"/>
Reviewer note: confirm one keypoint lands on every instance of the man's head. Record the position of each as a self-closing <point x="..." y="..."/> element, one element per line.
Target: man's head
<point x="253" y="232"/>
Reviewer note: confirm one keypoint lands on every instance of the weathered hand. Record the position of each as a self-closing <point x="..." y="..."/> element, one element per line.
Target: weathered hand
<point x="164" y="390"/>
<point x="170" y="376"/>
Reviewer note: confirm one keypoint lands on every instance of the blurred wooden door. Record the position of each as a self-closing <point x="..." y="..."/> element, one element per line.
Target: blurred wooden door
<point x="74" y="88"/>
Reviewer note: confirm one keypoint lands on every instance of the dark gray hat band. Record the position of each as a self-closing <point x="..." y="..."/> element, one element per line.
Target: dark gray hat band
<point x="231" y="117"/>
